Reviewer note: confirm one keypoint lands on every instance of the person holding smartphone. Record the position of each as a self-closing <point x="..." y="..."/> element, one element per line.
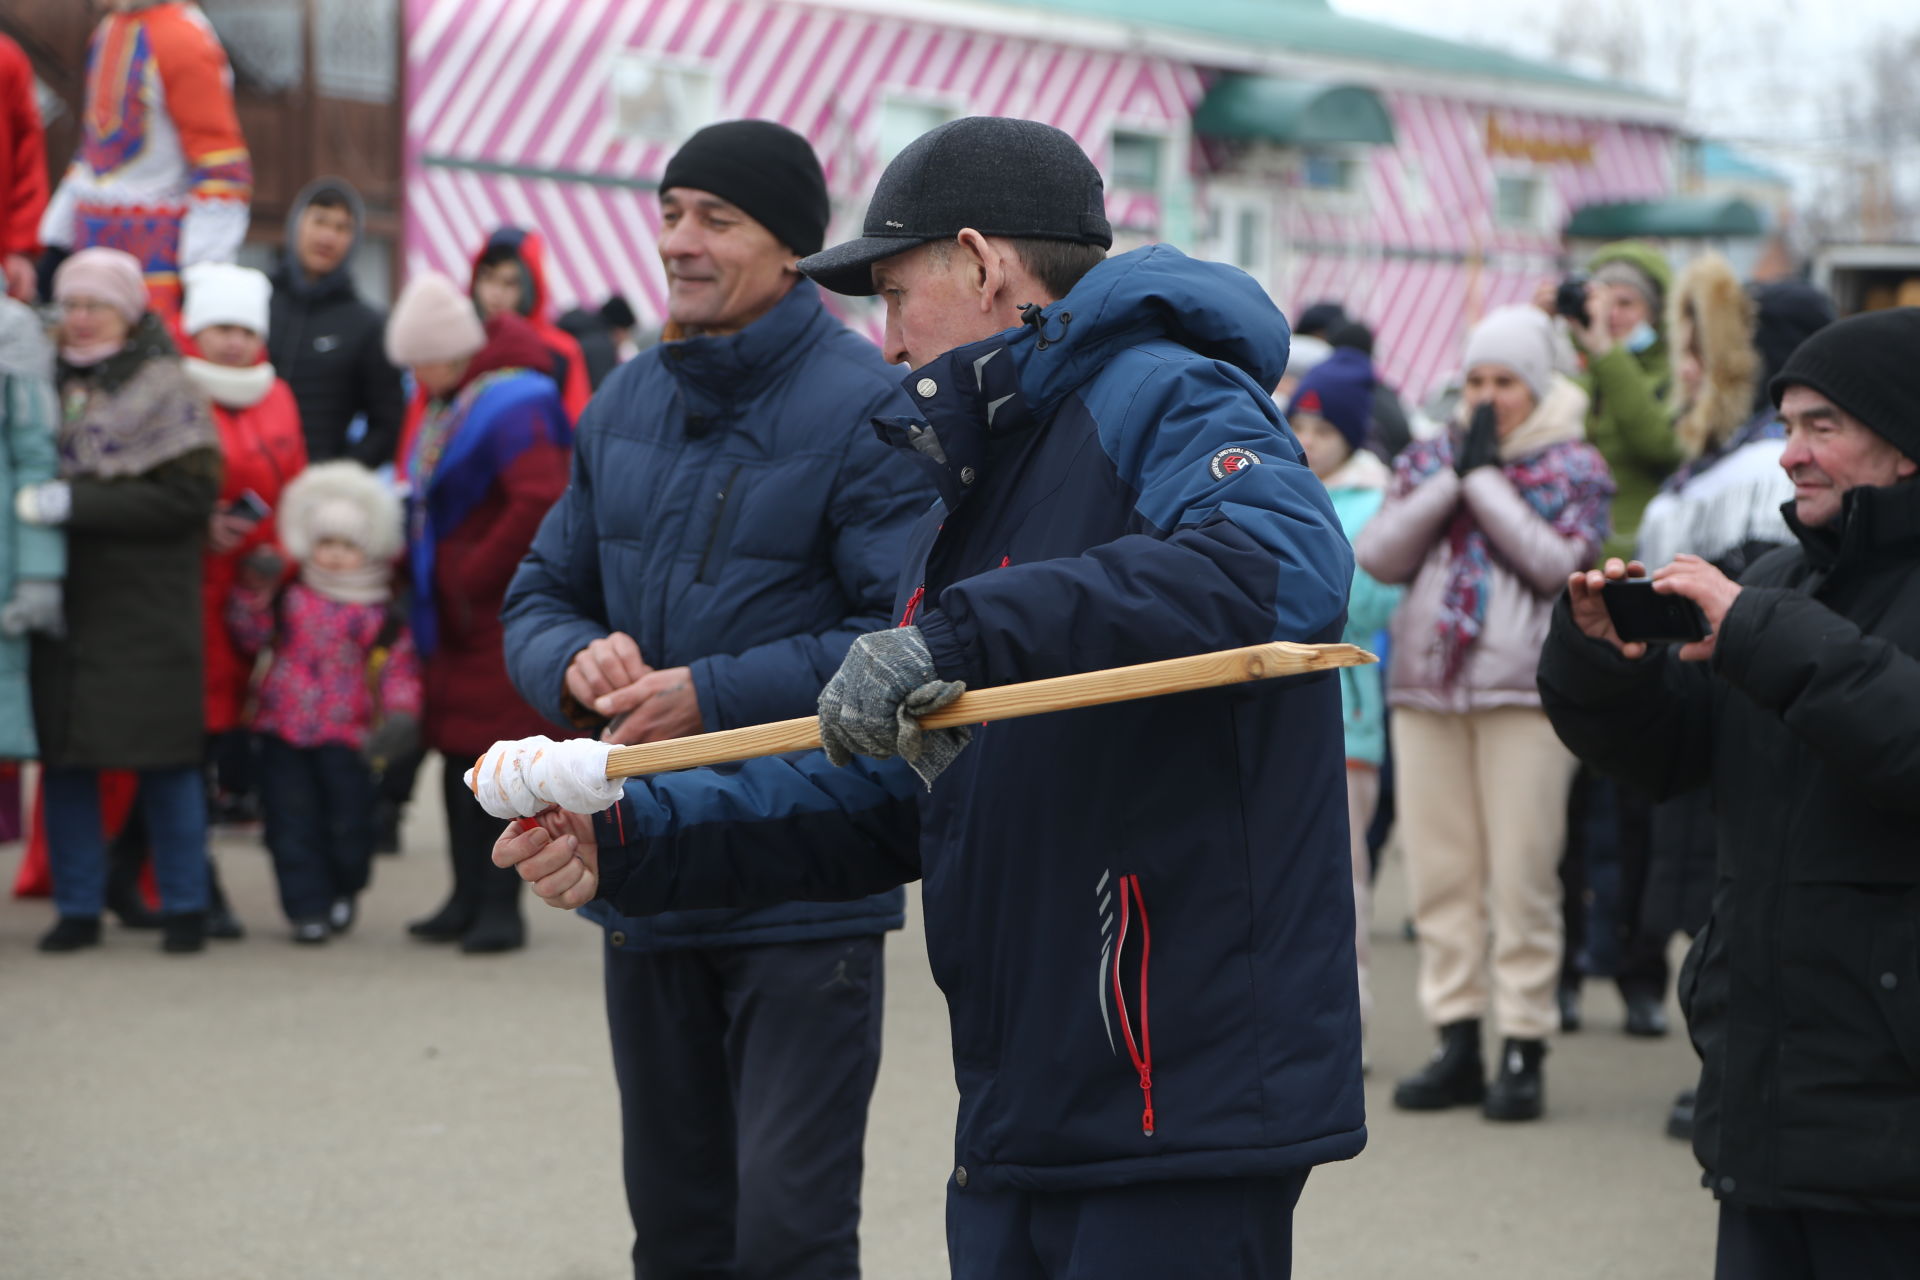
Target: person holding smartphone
<point x="263" y="449"/>
<point x="1482" y="525"/>
<point x="1800" y="714"/>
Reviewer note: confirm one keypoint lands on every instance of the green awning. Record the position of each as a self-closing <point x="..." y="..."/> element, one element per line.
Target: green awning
<point x="1292" y="112"/>
<point x="1675" y="218"/>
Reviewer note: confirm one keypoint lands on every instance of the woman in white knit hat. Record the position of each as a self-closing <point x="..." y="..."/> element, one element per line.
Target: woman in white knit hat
<point x="491" y="456"/>
<point x="263" y="449"/>
<point x="1484" y="524"/>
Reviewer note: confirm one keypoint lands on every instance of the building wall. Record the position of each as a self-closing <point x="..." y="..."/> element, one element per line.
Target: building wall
<point x="512" y="118"/>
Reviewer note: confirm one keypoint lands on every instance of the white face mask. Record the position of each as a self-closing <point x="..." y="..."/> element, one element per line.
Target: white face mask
<point x="1641" y="338"/>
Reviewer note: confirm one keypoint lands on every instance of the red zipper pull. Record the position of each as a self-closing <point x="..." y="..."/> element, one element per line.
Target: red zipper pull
<point x="1146" y="1116"/>
<point x="913" y="605"/>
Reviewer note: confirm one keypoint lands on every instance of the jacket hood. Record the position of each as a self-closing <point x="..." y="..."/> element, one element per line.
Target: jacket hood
<point x="1710" y="314"/>
<point x="321" y="491"/>
<point x="340" y="279"/>
<point x="25" y="350"/>
<point x="512" y="343"/>
<point x="1152" y="293"/>
<point x="530" y="251"/>
<point x="1638" y="253"/>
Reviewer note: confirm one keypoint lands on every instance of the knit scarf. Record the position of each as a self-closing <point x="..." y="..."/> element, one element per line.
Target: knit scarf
<point x="1560" y="476"/>
<point x="228" y="387"/>
<point x="133" y="411"/>
<point x="369" y="584"/>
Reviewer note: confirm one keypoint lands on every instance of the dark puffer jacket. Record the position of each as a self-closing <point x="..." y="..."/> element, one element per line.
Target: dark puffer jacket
<point x="1141" y="915"/>
<point x="1803" y="993"/>
<point x="122" y="689"/>
<point x="732" y="511"/>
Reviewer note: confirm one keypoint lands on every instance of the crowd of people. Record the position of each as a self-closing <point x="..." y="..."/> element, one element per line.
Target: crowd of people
<point x="265" y="547"/>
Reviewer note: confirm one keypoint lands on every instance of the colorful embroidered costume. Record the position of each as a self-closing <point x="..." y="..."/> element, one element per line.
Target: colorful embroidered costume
<point x="162" y="171"/>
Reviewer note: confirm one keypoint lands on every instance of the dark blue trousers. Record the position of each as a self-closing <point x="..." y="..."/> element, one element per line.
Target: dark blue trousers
<point x="318" y="807"/>
<point x="1759" y="1244"/>
<point x="1214" y="1229"/>
<point x="745" y="1074"/>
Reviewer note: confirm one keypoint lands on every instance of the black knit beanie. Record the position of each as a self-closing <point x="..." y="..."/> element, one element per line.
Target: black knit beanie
<point x="767" y="169"/>
<point x="1868" y="365"/>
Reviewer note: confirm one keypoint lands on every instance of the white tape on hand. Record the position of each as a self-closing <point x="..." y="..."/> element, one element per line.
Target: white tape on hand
<point x="525" y="778"/>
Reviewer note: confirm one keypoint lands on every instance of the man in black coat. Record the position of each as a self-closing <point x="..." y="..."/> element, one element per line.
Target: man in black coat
<point x="1801" y="711"/>
<point x="324" y="339"/>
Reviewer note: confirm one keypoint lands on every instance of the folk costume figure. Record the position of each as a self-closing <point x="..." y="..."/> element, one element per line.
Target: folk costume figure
<point x="162" y="171"/>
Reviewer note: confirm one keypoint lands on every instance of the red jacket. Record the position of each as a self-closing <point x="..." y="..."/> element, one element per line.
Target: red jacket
<point x="476" y="511"/>
<point x="23" y="155"/>
<point x="264" y="450"/>
<point x="566" y="365"/>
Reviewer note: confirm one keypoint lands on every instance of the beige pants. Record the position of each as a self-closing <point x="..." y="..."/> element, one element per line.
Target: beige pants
<point x="1482" y="815"/>
<point x="1363" y="796"/>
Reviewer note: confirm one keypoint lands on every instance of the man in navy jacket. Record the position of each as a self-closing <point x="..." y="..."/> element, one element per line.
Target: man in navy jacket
<point x="731" y="526"/>
<point x="1140" y="914"/>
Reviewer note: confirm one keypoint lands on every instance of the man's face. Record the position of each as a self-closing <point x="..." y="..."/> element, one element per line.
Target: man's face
<point x="496" y="289"/>
<point x="724" y="270"/>
<point x="1624" y="309"/>
<point x="933" y="304"/>
<point x="322" y="239"/>
<point x="1829" y="451"/>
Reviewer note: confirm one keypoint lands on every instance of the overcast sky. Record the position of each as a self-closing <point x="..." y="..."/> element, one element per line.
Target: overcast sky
<point x="1770" y="68"/>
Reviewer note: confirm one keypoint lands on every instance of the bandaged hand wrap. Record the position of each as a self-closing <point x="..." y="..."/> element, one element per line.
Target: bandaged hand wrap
<point x="526" y="778"/>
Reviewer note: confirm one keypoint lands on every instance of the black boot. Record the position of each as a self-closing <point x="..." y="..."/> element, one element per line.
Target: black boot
<point x="184" y="932"/>
<point x="386" y="826"/>
<point x="1519" y="1092"/>
<point x="1646" y="1015"/>
<point x="451" y="922"/>
<point x="1453" y="1077"/>
<point x="1680" y="1119"/>
<point x="221" y="922"/>
<point x="126" y="858"/>
<point x="71" y="933"/>
<point x="497" y="926"/>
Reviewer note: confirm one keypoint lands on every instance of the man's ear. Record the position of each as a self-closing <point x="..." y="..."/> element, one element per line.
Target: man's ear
<point x="982" y="266"/>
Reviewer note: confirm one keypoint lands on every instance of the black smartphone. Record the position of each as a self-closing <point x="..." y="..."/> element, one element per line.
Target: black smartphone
<point x="249" y="506"/>
<point x="1643" y="614"/>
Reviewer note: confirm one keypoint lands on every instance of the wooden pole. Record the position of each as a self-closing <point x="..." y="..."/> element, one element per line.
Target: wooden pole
<point x="1007" y="702"/>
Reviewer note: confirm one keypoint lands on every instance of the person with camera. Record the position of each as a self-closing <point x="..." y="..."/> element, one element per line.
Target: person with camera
<point x="1800" y="712"/>
<point x="1483" y="524"/>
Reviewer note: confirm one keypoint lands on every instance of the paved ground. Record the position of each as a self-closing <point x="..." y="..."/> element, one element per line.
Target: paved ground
<point x="379" y="1108"/>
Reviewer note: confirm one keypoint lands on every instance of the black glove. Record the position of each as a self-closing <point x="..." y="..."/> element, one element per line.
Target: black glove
<point x="1481" y="447"/>
<point x="395" y="738"/>
<point x="872" y="705"/>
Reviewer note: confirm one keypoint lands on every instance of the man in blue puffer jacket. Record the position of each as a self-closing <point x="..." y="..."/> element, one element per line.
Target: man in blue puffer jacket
<point x="1140" y="914"/>
<point x="731" y="526"/>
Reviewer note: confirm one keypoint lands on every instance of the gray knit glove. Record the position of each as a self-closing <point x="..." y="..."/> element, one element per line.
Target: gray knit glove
<point x="35" y="607"/>
<point x="871" y="705"/>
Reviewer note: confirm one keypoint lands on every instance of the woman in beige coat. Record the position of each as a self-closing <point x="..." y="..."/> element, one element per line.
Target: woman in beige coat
<point x="1484" y="524"/>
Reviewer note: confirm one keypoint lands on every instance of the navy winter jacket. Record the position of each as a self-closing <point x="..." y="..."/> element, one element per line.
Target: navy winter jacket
<point x="1141" y="914"/>
<point x="731" y="511"/>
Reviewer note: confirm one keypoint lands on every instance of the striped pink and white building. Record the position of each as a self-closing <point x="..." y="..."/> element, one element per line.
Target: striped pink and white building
<point x="1416" y="181"/>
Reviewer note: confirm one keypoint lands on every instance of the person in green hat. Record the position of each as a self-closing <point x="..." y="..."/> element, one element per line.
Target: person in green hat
<point x="1628" y="375"/>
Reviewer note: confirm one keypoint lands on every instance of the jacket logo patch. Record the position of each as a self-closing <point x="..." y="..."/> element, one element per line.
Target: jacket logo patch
<point x="326" y="343"/>
<point x="1231" y="461"/>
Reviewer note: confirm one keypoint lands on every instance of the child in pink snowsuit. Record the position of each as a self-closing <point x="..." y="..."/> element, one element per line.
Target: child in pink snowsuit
<point x="342" y="692"/>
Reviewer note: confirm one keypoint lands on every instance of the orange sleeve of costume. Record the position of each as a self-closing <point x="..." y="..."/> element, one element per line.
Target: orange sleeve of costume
<point x="23" y="154"/>
<point x="199" y="87"/>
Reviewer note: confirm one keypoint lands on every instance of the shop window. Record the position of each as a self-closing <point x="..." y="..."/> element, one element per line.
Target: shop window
<point x="660" y="101"/>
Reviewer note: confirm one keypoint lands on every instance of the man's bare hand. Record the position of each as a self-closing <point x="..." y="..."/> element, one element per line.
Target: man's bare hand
<point x="654" y="708"/>
<point x="604" y="666"/>
<point x="555" y="854"/>
<point x="1696" y="580"/>
<point x="1590" y="610"/>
